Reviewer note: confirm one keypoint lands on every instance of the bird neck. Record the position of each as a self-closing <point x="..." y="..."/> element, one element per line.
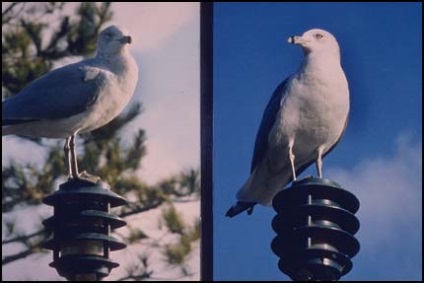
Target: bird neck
<point x="108" y="54"/>
<point x="118" y="61"/>
<point x="320" y="63"/>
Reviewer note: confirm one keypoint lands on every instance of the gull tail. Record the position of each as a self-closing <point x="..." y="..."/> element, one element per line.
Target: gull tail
<point x="239" y="207"/>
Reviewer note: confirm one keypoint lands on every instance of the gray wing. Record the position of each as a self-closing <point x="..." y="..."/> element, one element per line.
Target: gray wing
<point x="261" y="143"/>
<point x="59" y="94"/>
<point x="268" y="120"/>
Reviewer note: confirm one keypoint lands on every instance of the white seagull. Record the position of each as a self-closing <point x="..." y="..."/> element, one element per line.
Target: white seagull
<point x="304" y="120"/>
<point x="76" y="98"/>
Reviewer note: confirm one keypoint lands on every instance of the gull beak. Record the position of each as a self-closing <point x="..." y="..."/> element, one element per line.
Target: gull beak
<point x="126" y="39"/>
<point x="296" y="40"/>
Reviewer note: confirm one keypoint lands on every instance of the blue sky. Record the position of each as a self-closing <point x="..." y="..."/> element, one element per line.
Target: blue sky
<point x="379" y="158"/>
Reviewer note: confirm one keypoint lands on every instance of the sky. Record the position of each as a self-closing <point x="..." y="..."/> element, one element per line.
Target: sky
<point x="166" y="46"/>
<point x="379" y="158"/>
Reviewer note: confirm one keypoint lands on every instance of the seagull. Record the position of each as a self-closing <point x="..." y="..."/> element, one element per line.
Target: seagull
<point x="76" y="98"/>
<point x="303" y="121"/>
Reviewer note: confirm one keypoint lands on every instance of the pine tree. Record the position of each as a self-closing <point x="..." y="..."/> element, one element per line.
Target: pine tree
<point x="31" y="46"/>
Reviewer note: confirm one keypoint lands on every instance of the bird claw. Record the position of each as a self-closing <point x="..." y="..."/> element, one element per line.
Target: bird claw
<point x="84" y="176"/>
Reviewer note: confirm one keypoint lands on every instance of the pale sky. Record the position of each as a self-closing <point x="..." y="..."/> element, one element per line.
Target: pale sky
<point x="166" y="46"/>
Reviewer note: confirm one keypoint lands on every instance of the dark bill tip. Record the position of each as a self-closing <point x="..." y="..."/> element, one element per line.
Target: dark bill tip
<point x="126" y="39"/>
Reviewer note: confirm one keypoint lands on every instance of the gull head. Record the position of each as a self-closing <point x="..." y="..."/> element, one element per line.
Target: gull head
<point x="113" y="40"/>
<point x="316" y="40"/>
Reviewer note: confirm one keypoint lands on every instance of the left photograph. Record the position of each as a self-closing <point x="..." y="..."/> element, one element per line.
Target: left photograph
<point x="100" y="141"/>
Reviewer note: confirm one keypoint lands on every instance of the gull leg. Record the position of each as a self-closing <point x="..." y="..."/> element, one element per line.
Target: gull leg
<point x="319" y="162"/>
<point x="66" y="149"/>
<point x="74" y="161"/>
<point x="291" y="156"/>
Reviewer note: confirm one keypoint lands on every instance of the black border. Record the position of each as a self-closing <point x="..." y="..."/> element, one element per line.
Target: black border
<point x="206" y="133"/>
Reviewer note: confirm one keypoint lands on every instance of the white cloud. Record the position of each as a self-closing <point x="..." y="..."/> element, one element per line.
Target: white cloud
<point x="153" y="23"/>
<point x="390" y="192"/>
<point x="168" y="56"/>
<point x="22" y="151"/>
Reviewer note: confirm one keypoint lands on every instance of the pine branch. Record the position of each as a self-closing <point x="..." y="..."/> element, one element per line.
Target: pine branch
<point x="30" y="241"/>
<point x="15" y="257"/>
<point x="139" y="277"/>
<point x="147" y="275"/>
<point x="136" y="208"/>
<point x="8" y="15"/>
<point x="26" y="238"/>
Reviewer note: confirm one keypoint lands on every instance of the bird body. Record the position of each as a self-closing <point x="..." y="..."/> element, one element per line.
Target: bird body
<point x="76" y="98"/>
<point x="303" y="121"/>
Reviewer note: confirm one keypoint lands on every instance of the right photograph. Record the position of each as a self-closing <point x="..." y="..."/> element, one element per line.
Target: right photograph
<point x="317" y="141"/>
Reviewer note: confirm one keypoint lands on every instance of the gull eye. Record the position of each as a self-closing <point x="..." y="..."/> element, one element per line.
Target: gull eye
<point x="318" y="36"/>
<point x="108" y="35"/>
